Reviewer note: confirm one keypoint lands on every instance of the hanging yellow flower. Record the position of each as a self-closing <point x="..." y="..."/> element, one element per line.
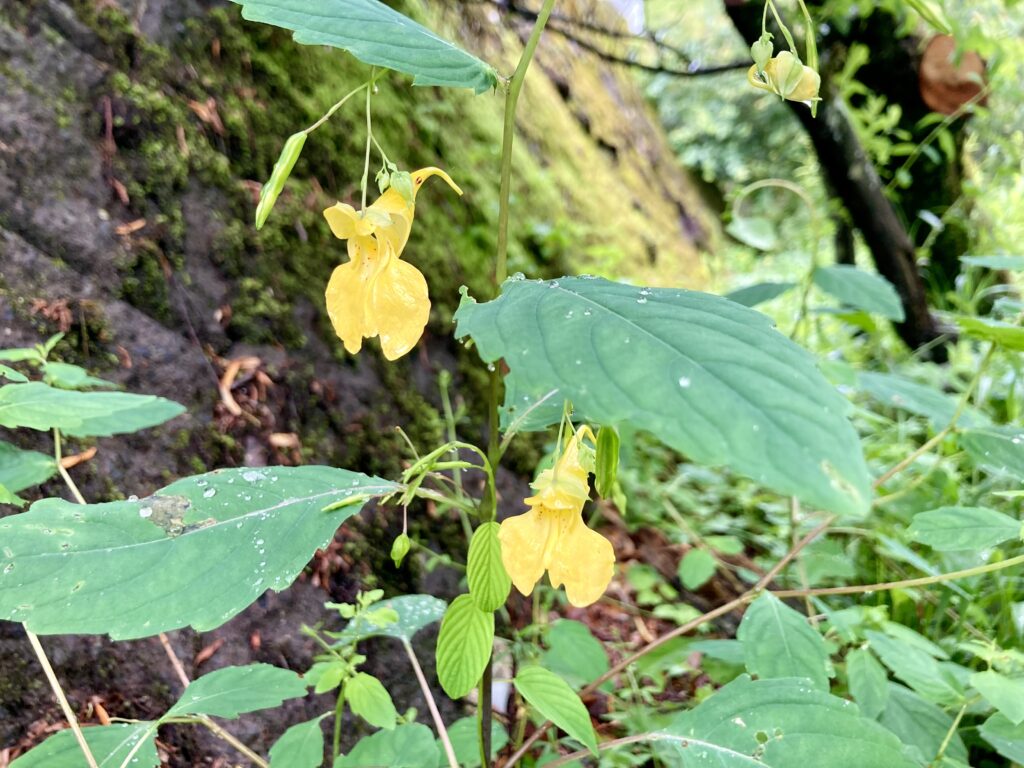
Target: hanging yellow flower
<point x="786" y="76"/>
<point x="552" y="536"/>
<point x="375" y="293"/>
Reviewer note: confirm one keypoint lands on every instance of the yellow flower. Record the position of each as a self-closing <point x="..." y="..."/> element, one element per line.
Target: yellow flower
<point x="785" y="76"/>
<point x="552" y="536"/>
<point x="375" y="293"/>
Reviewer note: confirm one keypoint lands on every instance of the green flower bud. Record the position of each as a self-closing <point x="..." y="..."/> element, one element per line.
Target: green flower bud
<point x="761" y="51"/>
<point x="400" y="549"/>
<point x="282" y="169"/>
<point x="606" y="469"/>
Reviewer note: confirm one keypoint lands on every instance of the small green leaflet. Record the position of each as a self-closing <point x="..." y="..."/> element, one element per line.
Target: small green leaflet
<point x="868" y="681"/>
<point x="930" y="678"/>
<point x="370" y="700"/>
<point x="860" y="290"/>
<point x="759" y="293"/>
<point x="406" y="746"/>
<point x="82" y="414"/>
<point x="710" y="378"/>
<point x="195" y="553"/>
<point x="696" y="568"/>
<point x="489" y="584"/>
<point x="377" y="35"/>
<point x="301" y="746"/>
<point x="21" y="469"/>
<point x="9" y="373"/>
<point x="778" y="642"/>
<point x="754" y="231"/>
<point x="778" y="723"/>
<point x="574" y="653"/>
<point x="552" y="697"/>
<point x="463" y="646"/>
<point x="231" y="691"/>
<point x="1004" y="334"/>
<point x="950" y="529"/>
<point x="414" y="613"/>
<point x="463" y="736"/>
<point x="68" y="376"/>
<point x="109" y="744"/>
<point x="997" y="449"/>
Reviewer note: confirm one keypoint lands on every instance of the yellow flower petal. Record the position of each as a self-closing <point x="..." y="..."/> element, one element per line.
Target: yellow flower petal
<point x="342" y="219"/>
<point x="524" y="541"/>
<point x="397" y="307"/>
<point x="348" y="290"/>
<point x="583" y="560"/>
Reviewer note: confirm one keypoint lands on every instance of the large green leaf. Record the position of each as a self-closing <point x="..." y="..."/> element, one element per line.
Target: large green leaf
<point x="407" y="746"/>
<point x="82" y="414"/>
<point x="463" y="646"/>
<point x="916" y="668"/>
<point x="860" y="290"/>
<point x="709" y="377"/>
<point x="414" y="613"/>
<point x="489" y="584"/>
<point x="231" y="691"/>
<point x="1007" y="738"/>
<point x="997" y="449"/>
<point x="1004" y="693"/>
<point x="574" y="653"/>
<point x="466" y="744"/>
<point x="377" y="35"/>
<point x="552" y="697"/>
<point x="949" y="529"/>
<point x="920" y="725"/>
<point x="195" y="553"/>
<point x="778" y="642"/>
<point x="779" y="723"/>
<point x="109" y="744"/>
<point x="23" y="469"/>
<point x="369" y="699"/>
<point x="301" y="746"/>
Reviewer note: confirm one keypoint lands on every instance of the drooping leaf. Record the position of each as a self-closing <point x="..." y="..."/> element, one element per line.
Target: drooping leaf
<point x="861" y="290"/>
<point x="919" y="670"/>
<point x="696" y="568"/>
<point x="23" y="469"/>
<point x="905" y="394"/>
<point x="230" y="691"/>
<point x="552" y="697"/>
<point x="1004" y="693"/>
<point x="406" y="746"/>
<point x="710" y="378"/>
<point x="463" y="736"/>
<point x="574" y="653"/>
<point x="1004" y="334"/>
<point x="414" y="613"/>
<point x="778" y="723"/>
<point x="997" y="449"/>
<point x="195" y="553"/>
<point x="369" y="699"/>
<point x="82" y="414"/>
<point x="868" y="681"/>
<point x="920" y="725"/>
<point x="489" y="583"/>
<point x="778" y="642"/>
<point x="949" y="529"/>
<point x="377" y="35"/>
<point x="463" y="646"/>
<point x="301" y="746"/>
<point x="759" y="293"/>
<point x="109" y="744"/>
<point x="1007" y="738"/>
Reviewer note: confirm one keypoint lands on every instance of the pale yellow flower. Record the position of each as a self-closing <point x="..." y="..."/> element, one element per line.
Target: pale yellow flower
<point x="552" y="536"/>
<point x="375" y="293"/>
<point x="785" y="76"/>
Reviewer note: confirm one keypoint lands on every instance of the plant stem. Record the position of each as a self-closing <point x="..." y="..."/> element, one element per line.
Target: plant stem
<point x="69" y="713"/>
<point x="365" y="182"/>
<point x="442" y="732"/>
<point x="336" y="107"/>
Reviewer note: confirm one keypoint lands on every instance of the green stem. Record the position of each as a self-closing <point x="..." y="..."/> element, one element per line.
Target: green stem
<point x="336" y="107"/>
<point x="365" y="181"/>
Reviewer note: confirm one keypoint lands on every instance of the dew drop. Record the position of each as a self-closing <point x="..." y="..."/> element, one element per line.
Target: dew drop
<point x="209" y="493"/>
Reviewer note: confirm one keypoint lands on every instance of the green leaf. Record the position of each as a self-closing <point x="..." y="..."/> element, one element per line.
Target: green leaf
<point x="779" y="724"/>
<point x="195" y="553"/>
<point x="369" y="699"/>
<point x="463" y="736"/>
<point x="278" y="176"/>
<point x="82" y="414"/>
<point x="917" y="669"/>
<point x="710" y="378"/>
<point x="905" y="394"/>
<point x="301" y="746"/>
<point x="996" y="261"/>
<point x="868" y="681"/>
<point x="949" y="529"/>
<point x="754" y="231"/>
<point x="231" y="691"/>
<point x="552" y="697"/>
<point x="997" y="449"/>
<point x="574" y="653"/>
<point x="489" y="584"/>
<point x="463" y="646"/>
<point x="414" y="613"/>
<point x="778" y="642"/>
<point x="696" y="568"/>
<point x="759" y="293"/>
<point x="1004" y="334"/>
<point x="377" y="35"/>
<point x="407" y="746"/>
<point x="12" y="375"/>
<point x="11" y="498"/>
<point x="109" y="744"/>
<point x="1004" y="693"/>
<point x="23" y="469"/>
<point x="1007" y="738"/>
<point x="860" y="290"/>
<point x="68" y="376"/>
<point x="932" y="13"/>
<point x="920" y="725"/>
